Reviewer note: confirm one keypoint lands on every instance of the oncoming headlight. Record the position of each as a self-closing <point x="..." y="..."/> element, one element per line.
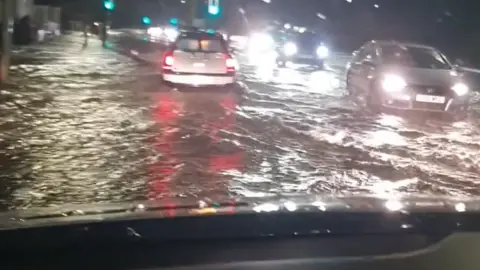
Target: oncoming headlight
<point x="460" y="89"/>
<point x="393" y="83"/>
<point x="290" y="49"/>
<point x="322" y="51"/>
<point x="171" y="34"/>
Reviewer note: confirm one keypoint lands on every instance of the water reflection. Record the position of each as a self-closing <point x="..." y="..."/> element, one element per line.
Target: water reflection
<point x="192" y="151"/>
<point x="299" y="78"/>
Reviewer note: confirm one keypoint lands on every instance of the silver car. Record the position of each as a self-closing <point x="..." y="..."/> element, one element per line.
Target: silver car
<point x="407" y="76"/>
<point x="200" y="59"/>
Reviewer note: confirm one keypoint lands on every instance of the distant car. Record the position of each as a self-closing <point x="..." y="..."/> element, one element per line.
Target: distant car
<point x="302" y="48"/>
<point x="407" y="76"/>
<point x="199" y="58"/>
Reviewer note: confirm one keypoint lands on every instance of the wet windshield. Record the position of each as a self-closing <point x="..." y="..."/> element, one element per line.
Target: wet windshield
<point x="95" y="108"/>
<point x="416" y="57"/>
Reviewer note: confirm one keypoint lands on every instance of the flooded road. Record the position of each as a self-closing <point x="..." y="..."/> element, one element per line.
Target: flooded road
<point x="92" y="125"/>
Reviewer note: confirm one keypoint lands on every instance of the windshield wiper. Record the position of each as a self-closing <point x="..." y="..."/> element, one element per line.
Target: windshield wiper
<point x="89" y="213"/>
<point x="135" y="208"/>
<point x="313" y="204"/>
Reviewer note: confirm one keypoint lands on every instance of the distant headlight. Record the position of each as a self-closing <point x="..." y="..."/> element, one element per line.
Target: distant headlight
<point x="322" y="51"/>
<point x="461" y="89"/>
<point x="290" y="49"/>
<point x="393" y="83"/>
<point x="171" y="34"/>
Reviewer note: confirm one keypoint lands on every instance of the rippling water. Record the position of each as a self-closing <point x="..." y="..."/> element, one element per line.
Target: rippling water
<point x="92" y="126"/>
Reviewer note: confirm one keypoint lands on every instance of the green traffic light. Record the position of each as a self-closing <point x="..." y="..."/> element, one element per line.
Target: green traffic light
<point x="108" y="5"/>
<point x="174" y="21"/>
<point x="146" y="20"/>
<point x="214" y="10"/>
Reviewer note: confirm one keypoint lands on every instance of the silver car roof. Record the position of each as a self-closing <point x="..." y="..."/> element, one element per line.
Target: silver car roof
<point x="404" y="44"/>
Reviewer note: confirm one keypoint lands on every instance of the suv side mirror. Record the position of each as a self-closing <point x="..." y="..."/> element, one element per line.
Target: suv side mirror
<point x="458" y="63"/>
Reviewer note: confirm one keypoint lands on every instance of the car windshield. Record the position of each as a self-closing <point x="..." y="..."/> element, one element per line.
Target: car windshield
<point x="417" y="57"/>
<point x="308" y="40"/>
<point x="112" y="102"/>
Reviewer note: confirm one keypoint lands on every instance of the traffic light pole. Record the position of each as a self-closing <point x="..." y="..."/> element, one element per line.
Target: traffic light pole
<point x="108" y="6"/>
<point x="193" y="11"/>
<point x="106" y="25"/>
<point x="6" y="40"/>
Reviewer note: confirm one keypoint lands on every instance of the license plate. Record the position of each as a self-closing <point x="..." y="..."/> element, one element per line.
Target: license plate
<point x="201" y="80"/>
<point x="199" y="64"/>
<point x="431" y="99"/>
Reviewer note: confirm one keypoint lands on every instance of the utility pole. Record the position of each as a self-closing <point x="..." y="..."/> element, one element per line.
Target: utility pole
<point x="193" y="11"/>
<point x="6" y="40"/>
<point x="109" y="6"/>
<point x="106" y="25"/>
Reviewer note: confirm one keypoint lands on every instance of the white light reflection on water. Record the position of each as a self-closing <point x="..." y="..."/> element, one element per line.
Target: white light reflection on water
<point x="323" y="81"/>
<point x="390" y="120"/>
<point x="382" y="137"/>
<point x="387" y="188"/>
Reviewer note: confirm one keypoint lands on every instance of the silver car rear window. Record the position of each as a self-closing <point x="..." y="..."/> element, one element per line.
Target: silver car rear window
<point x="199" y="43"/>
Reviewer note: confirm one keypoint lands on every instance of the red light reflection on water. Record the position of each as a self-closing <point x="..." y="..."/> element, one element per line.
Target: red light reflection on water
<point x="170" y="111"/>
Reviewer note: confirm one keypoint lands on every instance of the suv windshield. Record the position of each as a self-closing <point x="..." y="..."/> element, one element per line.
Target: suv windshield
<point x="417" y="57"/>
<point x="309" y="40"/>
<point x="201" y="43"/>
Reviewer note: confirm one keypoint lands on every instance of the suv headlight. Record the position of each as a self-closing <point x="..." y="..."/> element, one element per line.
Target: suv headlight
<point x="460" y="89"/>
<point x="290" y="49"/>
<point x="322" y="51"/>
<point x="393" y="83"/>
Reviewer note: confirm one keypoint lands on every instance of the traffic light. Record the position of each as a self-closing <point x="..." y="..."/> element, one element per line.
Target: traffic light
<point x="214" y="7"/>
<point x="109" y="5"/>
<point x="146" y="20"/>
<point x="174" y="21"/>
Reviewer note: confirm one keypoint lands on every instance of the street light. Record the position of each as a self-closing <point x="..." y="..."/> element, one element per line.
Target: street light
<point x="321" y="16"/>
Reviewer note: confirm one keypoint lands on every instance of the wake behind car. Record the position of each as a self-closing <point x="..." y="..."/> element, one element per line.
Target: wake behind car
<point x="199" y="58"/>
<point x="407" y="76"/>
<point x="302" y="48"/>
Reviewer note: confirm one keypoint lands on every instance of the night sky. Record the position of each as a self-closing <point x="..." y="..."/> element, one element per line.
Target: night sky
<point x="452" y="25"/>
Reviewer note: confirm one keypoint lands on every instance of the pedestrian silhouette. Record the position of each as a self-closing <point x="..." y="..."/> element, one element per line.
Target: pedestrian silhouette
<point x="86" y="29"/>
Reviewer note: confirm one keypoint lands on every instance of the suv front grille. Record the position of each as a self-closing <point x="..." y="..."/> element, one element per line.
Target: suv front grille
<point x="429" y="90"/>
<point x="428" y="106"/>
